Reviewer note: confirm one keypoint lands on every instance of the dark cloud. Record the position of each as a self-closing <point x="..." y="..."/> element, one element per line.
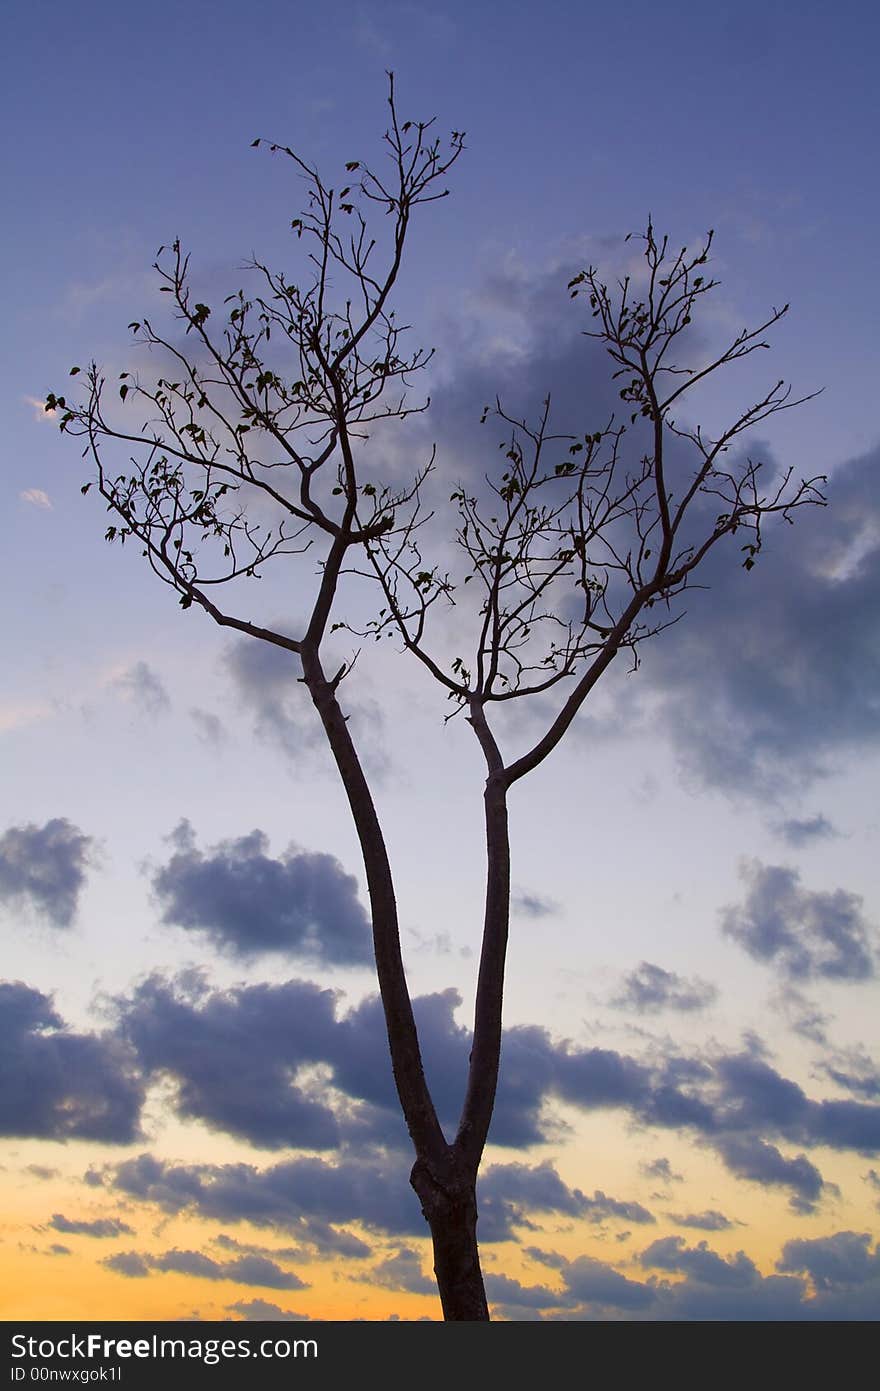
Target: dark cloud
<point x="716" y="1288"/>
<point x="369" y="1189"/>
<point x="508" y="1194"/>
<point x="511" y="1296"/>
<point x="600" y="1207"/>
<point x="805" y="934"/>
<point x="402" y="1271"/>
<point x="319" y="1238"/>
<point x="99" y="1227"/>
<point x="661" y="1169"/>
<point x="836" y="1262"/>
<point x="798" y="833"/>
<point x="362" y="1068"/>
<point x="244" y="901"/>
<point x="750" y="1158"/>
<point x="244" y="1270"/>
<point x="649" y="989"/>
<point x="709" y="1221"/>
<point x="144" y="688"/>
<point x="699" y="1262"/>
<point x="128" y="1263"/>
<point x="281" y="1066"/>
<point x="261" y="1310"/>
<point x="595" y="1283"/>
<point x="43" y="867"/>
<point x="234" y="1057"/>
<point x="773" y="677"/>
<point x="59" y="1085"/>
<point x="550" y="1258"/>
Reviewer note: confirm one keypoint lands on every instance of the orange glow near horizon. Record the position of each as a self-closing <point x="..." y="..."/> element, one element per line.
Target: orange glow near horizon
<point x="41" y="1281"/>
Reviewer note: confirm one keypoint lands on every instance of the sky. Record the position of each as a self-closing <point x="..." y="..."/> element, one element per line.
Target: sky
<point x="195" y="1099"/>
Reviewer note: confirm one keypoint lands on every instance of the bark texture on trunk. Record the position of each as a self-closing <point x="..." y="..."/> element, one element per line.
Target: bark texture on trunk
<point x="449" y="1204"/>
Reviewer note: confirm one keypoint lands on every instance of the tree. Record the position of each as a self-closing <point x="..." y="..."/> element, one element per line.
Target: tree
<point x="575" y="550"/>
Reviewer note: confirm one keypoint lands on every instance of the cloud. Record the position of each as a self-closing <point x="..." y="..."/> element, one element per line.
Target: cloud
<point x="709" y="1221"/>
<point x="39" y="409"/>
<point x="595" y="1283"/>
<point x="140" y="684"/>
<point x="511" y="1297"/>
<point x="234" y="1057"/>
<point x="750" y="1158"/>
<point x="44" y="868"/>
<point x="805" y="934"/>
<point x="244" y="1270"/>
<point x="837" y="1262"/>
<point x="36" y="497"/>
<point x="244" y="1060"/>
<point x="649" y="989"/>
<point x="798" y="833"/>
<point x="282" y="1065"/>
<point x="209" y="727"/>
<point x="99" y="1227"/>
<point x="772" y="679"/>
<point x="259" y="1309"/>
<point x="267" y="680"/>
<point x="699" y="1262"/>
<point x="856" y="1072"/>
<point x="302" y="903"/>
<point x="803" y="1015"/>
<point x="319" y="1238"/>
<point x="402" y="1271"/>
<point x="716" y="1288"/>
<point x="530" y="905"/>
<point x="508" y="1195"/>
<point x="367" y="1188"/>
<point x="59" y="1085"/>
<point x="661" y="1169"/>
<point x="128" y="1263"/>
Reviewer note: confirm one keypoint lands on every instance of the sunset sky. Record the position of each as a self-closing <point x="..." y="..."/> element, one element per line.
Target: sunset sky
<point x="196" y="1102"/>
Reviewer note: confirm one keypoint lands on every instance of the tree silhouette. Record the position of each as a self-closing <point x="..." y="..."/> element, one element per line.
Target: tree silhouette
<point x="571" y="553"/>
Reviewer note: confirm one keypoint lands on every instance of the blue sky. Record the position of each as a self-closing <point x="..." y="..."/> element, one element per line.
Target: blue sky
<point x="689" y="1119"/>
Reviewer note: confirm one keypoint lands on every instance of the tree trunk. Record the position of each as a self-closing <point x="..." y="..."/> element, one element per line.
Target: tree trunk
<point x="449" y="1204"/>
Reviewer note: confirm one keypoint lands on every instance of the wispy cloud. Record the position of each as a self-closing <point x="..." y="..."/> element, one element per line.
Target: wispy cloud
<point x="36" y="497"/>
<point x="39" y="409"/>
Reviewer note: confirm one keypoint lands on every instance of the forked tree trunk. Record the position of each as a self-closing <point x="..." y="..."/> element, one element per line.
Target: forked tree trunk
<point x="450" y="1209"/>
<point x="444" y="1175"/>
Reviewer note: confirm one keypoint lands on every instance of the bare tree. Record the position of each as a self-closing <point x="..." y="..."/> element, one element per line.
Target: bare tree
<point x="577" y="548"/>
